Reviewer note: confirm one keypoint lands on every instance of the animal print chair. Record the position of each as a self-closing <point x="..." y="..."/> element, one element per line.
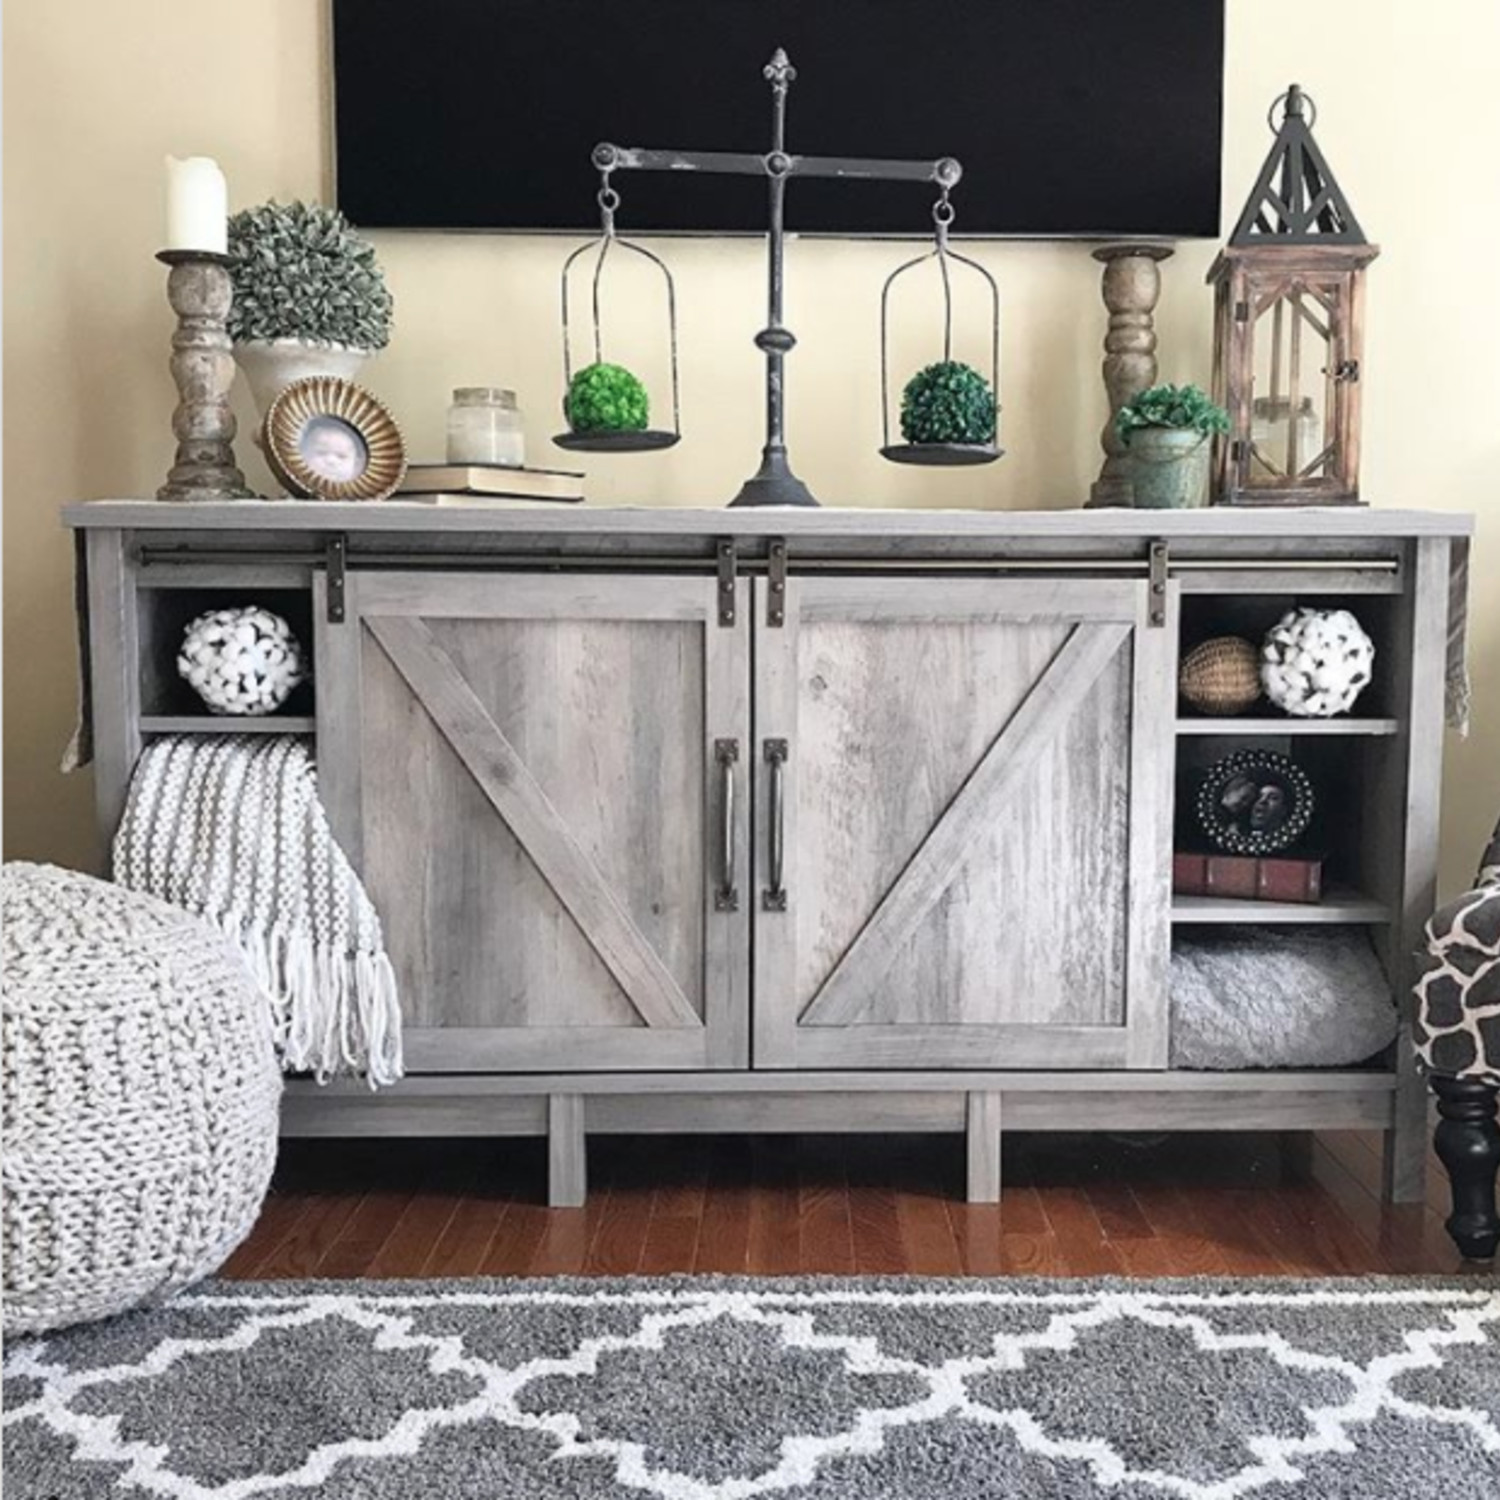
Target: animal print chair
<point x="1457" y="1035"/>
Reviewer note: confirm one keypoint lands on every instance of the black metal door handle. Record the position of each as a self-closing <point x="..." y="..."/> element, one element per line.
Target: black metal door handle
<point x="726" y="896"/>
<point x="773" y="898"/>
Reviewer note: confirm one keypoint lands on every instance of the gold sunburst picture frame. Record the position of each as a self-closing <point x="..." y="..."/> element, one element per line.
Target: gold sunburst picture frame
<point x="329" y="439"/>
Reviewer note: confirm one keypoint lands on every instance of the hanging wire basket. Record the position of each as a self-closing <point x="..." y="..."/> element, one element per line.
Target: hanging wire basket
<point x="643" y="439"/>
<point x="936" y="454"/>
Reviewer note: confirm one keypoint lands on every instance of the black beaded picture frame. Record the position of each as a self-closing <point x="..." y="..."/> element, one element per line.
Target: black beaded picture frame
<point x="1255" y="802"/>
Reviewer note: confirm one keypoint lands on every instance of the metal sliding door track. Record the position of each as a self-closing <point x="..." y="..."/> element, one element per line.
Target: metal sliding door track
<point x="573" y="562"/>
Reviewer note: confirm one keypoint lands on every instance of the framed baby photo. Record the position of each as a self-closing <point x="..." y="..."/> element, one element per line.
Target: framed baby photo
<point x="329" y="439"/>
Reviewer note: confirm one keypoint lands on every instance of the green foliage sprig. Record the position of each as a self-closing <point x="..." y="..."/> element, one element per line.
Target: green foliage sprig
<point x="300" y="271"/>
<point x="606" y="398"/>
<point x="948" y="402"/>
<point x="1181" y="406"/>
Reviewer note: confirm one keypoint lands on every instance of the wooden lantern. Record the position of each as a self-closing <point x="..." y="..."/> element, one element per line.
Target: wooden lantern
<point x="1289" y="331"/>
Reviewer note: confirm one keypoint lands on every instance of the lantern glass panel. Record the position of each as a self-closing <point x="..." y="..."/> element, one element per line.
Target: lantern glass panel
<point x="1293" y="439"/>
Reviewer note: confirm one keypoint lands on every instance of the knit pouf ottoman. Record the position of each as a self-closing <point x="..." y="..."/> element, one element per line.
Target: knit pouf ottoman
<point x="141" y="1093"/>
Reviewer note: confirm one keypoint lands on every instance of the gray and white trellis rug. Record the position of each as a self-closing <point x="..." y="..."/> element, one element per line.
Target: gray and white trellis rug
<point x="719" y="1389"/>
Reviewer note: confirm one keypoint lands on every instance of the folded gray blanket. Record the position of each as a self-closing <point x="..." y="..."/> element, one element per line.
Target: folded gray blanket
<point x="230" y="827"/>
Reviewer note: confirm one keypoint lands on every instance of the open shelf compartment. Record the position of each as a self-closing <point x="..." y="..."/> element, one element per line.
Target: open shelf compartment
<point x="168" y="703"/>
<point x="1355" y="762"/>
<point x="1250" y="616"/>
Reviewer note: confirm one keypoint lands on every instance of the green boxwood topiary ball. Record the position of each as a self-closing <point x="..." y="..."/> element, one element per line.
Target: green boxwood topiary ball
<point x="1183" y="407"/>
<point x="948" y="402"/>
<point x="606" y="398"/>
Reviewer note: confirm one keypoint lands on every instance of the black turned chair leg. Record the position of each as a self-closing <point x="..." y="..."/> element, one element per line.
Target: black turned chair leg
<point x="1467" y="1141"/>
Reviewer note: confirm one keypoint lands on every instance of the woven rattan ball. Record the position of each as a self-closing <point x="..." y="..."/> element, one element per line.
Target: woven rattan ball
<point x="1222" y="676"/>
<point x="140" y="1091"/>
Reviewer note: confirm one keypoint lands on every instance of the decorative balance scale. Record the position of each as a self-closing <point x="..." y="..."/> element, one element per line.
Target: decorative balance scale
<point x="606" y="406"/>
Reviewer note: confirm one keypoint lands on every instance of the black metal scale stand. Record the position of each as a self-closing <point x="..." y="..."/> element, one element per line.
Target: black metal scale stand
<point x="774" y="483"/>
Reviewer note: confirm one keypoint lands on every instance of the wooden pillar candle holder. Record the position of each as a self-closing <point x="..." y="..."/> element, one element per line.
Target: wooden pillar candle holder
<point x="1132" y="286"/>
<point x="199" y="289"/>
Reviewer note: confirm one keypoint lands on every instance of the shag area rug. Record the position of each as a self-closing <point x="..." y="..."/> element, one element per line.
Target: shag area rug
<point x="711" y="1389"/>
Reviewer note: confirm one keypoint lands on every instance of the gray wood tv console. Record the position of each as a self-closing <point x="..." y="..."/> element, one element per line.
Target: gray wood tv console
<point x="690" y="820"/>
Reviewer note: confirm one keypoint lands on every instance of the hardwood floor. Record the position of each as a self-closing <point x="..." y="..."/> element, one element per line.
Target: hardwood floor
<point x="1206" y="1205"/>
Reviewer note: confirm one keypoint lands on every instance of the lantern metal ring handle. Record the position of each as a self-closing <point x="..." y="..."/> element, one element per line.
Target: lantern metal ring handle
<point x="946" y="257"/>
<point x="1288" y="97"/>
<point x="639" y="441"/>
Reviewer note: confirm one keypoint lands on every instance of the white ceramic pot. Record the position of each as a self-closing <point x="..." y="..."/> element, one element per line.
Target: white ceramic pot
<point x="271" y="365"/>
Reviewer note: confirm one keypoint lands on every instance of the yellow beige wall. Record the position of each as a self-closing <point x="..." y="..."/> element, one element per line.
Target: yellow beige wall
<point x="97" y="92"/>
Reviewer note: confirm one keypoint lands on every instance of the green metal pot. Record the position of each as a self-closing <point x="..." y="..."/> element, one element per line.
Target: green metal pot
<point x="1169" y="467"/>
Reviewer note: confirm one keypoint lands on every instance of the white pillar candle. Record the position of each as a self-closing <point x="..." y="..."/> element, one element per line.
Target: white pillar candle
<point x="197" y="205"/>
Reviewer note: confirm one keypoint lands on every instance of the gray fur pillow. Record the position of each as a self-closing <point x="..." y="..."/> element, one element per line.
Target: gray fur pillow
<point x="1295" y="997"/>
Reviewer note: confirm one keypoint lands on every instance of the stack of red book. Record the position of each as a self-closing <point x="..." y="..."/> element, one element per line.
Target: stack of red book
<point x="1248" y="877"/>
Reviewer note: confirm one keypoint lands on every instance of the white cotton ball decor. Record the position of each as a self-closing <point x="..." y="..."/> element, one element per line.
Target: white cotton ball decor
<point x="1316" y="662"/>
<point x="241" y="661"/>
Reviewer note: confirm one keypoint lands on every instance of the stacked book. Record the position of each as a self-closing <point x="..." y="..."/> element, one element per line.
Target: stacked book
<point x="489" y="484"/>
<point x="1249" y="877"/>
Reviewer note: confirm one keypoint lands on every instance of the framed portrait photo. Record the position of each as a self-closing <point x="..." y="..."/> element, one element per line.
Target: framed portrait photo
<point x="1254" y="802"/>
<point x="329" y="439"/>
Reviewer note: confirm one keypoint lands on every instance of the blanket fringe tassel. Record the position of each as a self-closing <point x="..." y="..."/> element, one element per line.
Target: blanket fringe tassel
<point x="322" y="1001"/>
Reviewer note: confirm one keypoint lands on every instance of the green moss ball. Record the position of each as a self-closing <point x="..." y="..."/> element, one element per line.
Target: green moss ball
<point x="948" y="402"/>
<point x="606" y="398"/>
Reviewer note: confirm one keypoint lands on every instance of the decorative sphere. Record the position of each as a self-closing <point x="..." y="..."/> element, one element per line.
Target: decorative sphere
<point x="241" y="661"/>
<point x="606" y="398"/>
<point x="1221" y="676"/>
<point x="1316" y="662"/>
<point x="948" y="402"/>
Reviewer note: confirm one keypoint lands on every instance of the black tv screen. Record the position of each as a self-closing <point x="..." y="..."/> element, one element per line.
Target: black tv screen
<point x="1070" y="117"/>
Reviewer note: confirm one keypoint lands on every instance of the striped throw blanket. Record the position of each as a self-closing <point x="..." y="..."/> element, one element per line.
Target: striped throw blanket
<point x="230" y="827"/>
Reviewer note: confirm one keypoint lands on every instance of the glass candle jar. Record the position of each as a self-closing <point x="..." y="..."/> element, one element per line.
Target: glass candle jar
<point x="1284" y="441"/>
<point x="484" y="427"/>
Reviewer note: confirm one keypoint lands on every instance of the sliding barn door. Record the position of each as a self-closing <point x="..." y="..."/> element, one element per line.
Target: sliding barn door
<point x="539" y="778"/>
<point x="963" y="840"/>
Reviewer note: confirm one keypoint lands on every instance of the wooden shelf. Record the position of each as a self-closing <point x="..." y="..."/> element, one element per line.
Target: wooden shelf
<point x="1287" y="726"/>
<point x="227" y="724"/>
<point x="1338" y="905"/>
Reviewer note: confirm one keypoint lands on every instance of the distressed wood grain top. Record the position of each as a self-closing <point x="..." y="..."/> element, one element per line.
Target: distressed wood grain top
<point x="833" y="521"/>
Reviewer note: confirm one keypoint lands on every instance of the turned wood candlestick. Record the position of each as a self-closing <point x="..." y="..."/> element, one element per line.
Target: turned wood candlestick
<point x="1132" y="286"/>
<point x="198" y="287"/>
